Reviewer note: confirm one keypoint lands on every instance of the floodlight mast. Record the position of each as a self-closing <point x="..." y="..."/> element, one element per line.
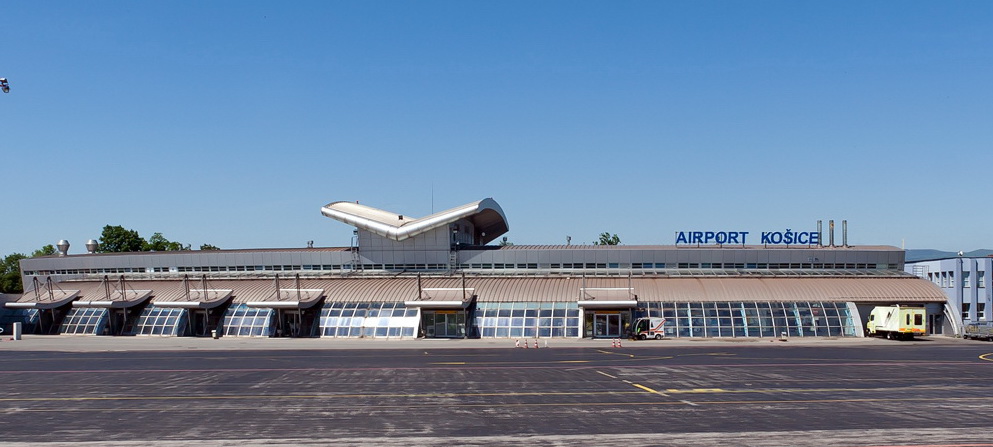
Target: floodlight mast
<point x="4" y="85"/>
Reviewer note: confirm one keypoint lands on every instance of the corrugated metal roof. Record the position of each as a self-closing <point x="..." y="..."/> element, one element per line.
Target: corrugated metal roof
<point x="544" y="289"/>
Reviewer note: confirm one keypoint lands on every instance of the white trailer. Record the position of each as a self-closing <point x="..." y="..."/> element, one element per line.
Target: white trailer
<point x="896" y="322"/>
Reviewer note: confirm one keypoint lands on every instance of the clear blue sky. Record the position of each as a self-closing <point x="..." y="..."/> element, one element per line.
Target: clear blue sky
<point x="233" y="122"/>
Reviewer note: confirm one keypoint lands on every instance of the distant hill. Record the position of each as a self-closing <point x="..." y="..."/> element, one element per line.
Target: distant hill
<point x="927" y="254"/>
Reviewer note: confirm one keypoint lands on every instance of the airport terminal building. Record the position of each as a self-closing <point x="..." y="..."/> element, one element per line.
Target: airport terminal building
<point x="440" y="277"/>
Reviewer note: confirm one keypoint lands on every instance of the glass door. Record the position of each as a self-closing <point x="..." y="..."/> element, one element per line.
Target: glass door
<point x="443" y="323"/>
<point x="606" y="325"/>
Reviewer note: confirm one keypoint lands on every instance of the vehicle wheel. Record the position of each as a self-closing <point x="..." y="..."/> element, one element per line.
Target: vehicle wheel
<point x="658" y="336"/>
<point x="889" y="335"/>
<point x="641" y="336"/>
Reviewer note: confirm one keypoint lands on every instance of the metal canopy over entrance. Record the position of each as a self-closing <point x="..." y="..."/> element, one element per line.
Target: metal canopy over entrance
<point x="607" y="297"/>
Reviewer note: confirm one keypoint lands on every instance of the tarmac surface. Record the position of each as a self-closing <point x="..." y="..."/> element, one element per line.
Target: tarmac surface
<point x="59" y="390"/>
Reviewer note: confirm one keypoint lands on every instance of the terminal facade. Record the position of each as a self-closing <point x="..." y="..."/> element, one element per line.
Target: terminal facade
<point x="966" y="284"/>
<point x="441" y="276"/>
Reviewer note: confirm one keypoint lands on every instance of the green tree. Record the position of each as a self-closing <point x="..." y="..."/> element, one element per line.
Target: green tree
<point x="209" y="247"/>
<point x="10" y="274"/>
<point x="159" y="243"/>
<point x="47" y="250"/>
<point x="608" y="239"/>
<point x="505" y="243"/>
<point x="115" y="239"/>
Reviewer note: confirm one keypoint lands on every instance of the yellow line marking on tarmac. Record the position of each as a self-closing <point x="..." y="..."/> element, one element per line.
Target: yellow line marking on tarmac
<point x="646" y="388"/>
<point x="988" y="357"/>
<point x="449" y="363"/>
<point x="615" y="353"/>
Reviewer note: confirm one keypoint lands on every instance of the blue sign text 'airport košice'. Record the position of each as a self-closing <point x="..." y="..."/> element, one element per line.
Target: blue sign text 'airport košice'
<point x="788" y="237"/>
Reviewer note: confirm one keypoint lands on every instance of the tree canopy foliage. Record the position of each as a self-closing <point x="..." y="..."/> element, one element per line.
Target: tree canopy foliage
<point x="10" y="274"/>
<point x="209" y="247"/>
<point x="607" y="239"/>
<point x="115" y="239"/>
<point x="47" y="250"/>
<point x="159" y="243"/>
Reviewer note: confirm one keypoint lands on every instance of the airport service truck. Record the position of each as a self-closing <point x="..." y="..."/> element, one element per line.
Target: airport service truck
<point x="896" y="322"/>
<point x="979" y="330"/>
<point x="645" y="328"/>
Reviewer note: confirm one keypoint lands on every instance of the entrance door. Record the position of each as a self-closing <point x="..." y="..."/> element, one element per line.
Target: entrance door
<point x="607" y="325"/>
<point x="443" y="323"/>
<point x="934" y="323"/>
<point x="288" y="323"/>
<point x="198" y="322"/>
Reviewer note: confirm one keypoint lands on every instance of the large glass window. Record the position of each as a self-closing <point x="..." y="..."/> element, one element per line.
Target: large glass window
<point x="27" y="317"/>
<point x="84" y="320"/>
<point x="160" y="321"/>
<point x="528" y="319"/>
<point x="369" y="320"/>
<point x="752" y="319"/>
<point x="243" y="321"/>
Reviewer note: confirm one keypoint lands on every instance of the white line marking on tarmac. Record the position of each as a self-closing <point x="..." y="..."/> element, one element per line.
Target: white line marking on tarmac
<point x="605" y="374"/>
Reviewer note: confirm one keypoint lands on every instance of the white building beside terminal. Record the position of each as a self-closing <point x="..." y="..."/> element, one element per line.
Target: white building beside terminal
<point x="440" y="277"/>
<point x="966" y="284"/>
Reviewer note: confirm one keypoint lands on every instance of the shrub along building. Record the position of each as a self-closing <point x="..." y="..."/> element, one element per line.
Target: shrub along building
<point x="437" y="276"/>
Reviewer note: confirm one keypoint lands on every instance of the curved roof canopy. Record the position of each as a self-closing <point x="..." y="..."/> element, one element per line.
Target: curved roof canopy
<point x="486" y="216"/>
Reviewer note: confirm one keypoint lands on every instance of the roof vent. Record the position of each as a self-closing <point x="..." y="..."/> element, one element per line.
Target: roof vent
<point x="91" y="246"/>
<point x="63" y="247"/>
